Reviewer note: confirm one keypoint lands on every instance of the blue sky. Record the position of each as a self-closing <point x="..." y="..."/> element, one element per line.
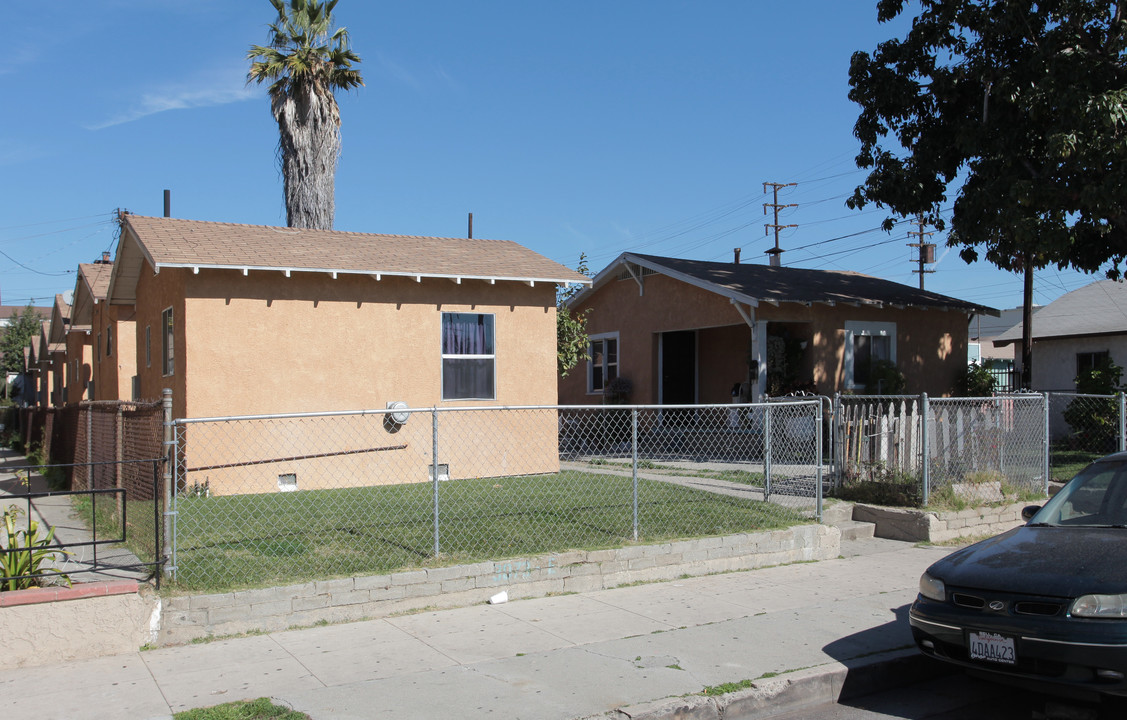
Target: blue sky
<point x="578" y="127"/>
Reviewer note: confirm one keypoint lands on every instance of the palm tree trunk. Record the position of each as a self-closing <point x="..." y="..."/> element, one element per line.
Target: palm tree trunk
<point x="309" y="144"/>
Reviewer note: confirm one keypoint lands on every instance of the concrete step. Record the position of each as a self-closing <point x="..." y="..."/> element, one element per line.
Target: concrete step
<point x="837" y="512"/>
<point x="856" y="529"/>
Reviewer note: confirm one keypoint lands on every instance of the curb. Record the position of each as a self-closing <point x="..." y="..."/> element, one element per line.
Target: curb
<point x="825" y="684"/>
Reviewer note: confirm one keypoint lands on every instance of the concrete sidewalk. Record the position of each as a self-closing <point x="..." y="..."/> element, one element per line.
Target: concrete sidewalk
<point x="642" y="651"/>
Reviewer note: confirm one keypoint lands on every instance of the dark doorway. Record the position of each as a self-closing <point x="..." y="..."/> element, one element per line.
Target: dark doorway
<point x="679" y="368"/>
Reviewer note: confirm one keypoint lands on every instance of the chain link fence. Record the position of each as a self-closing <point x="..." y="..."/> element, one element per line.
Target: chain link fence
<point x="917" y="451"/>
<point x="278" y="499"/>
<point x="1083" y="428"/>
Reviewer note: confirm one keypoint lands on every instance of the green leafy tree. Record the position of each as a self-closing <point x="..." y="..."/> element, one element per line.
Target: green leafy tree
<point x="22" y="330"/>
<point x="1024" y="104"/>
<point x="306" y="62"/>
<point x="571" y="327"/>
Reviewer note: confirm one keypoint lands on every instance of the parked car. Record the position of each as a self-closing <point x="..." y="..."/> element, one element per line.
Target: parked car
<point x="1045" y="602"/>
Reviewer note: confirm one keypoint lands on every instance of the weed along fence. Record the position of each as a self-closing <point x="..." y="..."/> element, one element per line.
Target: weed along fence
<point x="282" y="498"/>
<point x="912" y="448"/>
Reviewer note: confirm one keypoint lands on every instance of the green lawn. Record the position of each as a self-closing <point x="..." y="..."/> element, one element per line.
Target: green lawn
<point x="1065" y="463"/>
<point x="281" y="538"/>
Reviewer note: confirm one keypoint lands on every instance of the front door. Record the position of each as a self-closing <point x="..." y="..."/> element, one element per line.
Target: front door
<point x="679" y="368"/>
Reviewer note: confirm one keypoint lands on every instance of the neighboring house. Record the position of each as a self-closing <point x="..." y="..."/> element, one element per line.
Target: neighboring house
<point x="1075" y="332"/>
<point x="252" y="320"/>
<point x="7" y="311"/>
<point x="1003" y="363"/>
<point x="984" y="328"/>
<point x="57" y="337"/>
<point x="113" y="335"/>
<point x="26" y="391"/>
<point x="89" y="290"/>
<point x="688" y="331"/>
<point x="45" y="355"/>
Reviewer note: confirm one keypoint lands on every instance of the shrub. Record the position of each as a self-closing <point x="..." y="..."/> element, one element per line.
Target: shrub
<point x="1095" y="420"/>
<point x="976" y="381"/>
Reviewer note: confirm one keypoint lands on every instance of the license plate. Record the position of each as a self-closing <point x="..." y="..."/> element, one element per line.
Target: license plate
<point x="991" y="647"/>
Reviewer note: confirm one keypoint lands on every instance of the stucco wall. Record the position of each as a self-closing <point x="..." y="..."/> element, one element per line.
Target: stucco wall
<point x="113" y="373"/>
<point x="78" y="349"/>
<point x="931" y="344"/>
<point x="1054" y="361"/>
<point x="267" y="344"/>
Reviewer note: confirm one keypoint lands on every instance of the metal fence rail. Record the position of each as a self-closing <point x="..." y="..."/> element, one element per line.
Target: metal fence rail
<point x="123" y="526"/>
<point x="284" y="497"/>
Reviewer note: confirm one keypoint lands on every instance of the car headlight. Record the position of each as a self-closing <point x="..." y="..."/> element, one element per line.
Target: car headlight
<point x="1100" y="606"/>
<point x="932" y="588"/>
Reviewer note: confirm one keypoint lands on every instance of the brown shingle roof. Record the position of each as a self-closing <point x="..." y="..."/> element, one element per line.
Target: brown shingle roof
<point x="171" y="242"/>
<point x="751" y="283"/>
<point x="97" y="277"/>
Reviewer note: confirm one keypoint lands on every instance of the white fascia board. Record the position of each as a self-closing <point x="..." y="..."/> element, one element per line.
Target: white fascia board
<point x="377" y="274"/>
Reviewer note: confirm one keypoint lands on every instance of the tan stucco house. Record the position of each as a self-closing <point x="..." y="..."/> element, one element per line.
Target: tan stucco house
<point x="89" y="290"/>
<point x="254" y="320"/>
<point x="690" y="331"/>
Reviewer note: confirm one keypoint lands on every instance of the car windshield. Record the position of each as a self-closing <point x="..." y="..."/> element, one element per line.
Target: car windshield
<point x="1096" y="497"/>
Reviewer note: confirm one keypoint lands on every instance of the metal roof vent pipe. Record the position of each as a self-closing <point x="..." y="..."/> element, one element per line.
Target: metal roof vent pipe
<point x="168" y="203"/>
<point x="737" y="252"/>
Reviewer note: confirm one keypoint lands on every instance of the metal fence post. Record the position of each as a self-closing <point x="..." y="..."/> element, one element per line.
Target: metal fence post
<point x="838" y="447"/>
<point x="1045" y="443"/>
<point x="818" y="473"/>
<point x="169" y="465"/>
<point x="434" y="473"/>
<point x="1122" y="422"/>
<point x="90" y="448"/>
<point x="767" y="452"/>
<point x="634" y="464"/>
<point x="925" y="448"/>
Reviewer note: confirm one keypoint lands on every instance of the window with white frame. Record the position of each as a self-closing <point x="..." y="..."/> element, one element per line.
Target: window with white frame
<point x="168" y="360"/>
<point x="602" y="361"/>
<point x="866" y="344"/>
<point x="469" y="357"/>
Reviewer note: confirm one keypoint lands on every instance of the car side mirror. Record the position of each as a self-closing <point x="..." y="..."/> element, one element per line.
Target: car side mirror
<point x="1029" y="511"/>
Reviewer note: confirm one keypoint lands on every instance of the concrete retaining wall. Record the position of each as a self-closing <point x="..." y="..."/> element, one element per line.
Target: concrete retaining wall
<point x="47" y="625"/>
<point x="927" y="526"/>
<point x="187" y="618"/>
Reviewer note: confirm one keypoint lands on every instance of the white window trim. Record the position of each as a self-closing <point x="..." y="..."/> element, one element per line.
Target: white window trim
<point x="591" y="361"/>
<point x="492" y="356"/>
<point x="854" y="328"/>
<point x="167" y="358"/>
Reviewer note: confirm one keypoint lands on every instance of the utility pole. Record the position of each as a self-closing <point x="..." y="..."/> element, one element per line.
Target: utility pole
<point x="926" y="249"/>
<point x="774" y="252"/>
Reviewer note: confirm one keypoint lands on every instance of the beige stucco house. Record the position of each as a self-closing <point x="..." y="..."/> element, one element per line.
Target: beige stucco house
<point x="257" y="320"/>
<point x="689" y="331"/>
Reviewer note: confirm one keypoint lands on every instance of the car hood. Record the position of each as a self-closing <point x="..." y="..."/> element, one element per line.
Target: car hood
<point x="1054" y="561"/>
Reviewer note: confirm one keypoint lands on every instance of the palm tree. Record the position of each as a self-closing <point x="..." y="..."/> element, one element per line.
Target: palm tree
<point x="306" y="62"/>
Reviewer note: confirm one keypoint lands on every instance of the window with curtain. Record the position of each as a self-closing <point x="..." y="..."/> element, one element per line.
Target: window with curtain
<point x="468" y="357"/>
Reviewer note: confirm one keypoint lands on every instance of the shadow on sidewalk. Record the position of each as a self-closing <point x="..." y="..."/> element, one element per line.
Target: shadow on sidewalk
<point x="865" y="676"/>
